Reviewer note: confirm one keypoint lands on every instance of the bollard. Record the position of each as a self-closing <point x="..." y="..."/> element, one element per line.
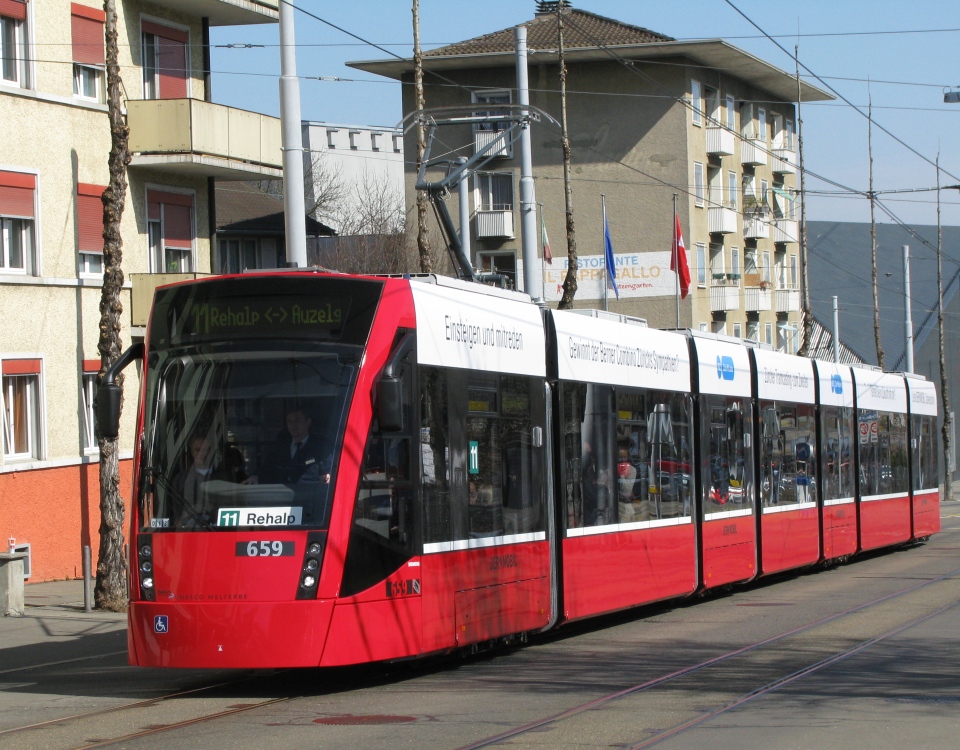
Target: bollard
<point x="87" y="597"/>
<point x="11" y="583"/>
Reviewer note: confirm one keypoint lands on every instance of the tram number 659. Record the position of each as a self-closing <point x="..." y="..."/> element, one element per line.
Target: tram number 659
<point x="265" y="549"/>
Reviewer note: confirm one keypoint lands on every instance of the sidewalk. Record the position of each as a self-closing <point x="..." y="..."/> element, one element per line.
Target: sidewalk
<point x="67" y="594"/>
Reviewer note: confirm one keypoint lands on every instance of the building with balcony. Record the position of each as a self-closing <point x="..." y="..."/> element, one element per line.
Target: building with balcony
<point x="649" y="116"/>
<point x="53" y="170"/>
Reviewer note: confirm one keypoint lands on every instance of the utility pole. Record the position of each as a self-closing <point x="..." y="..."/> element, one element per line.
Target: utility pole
<point x="110" y="592"/>
<point x="804" y="266"/>
<point x="294" y="212"/>
<point x="908" y="315"/>
<point x="423" y="240"/>
<point x="836" y="332"/>
<point x="528" y="200"/>
<point x="570" y="281"/>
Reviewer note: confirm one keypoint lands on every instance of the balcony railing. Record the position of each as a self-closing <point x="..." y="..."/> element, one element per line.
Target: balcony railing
<point x="787" y="300"/>
<point x="753" y="152"/>
<point x="191" y="136"/>
<point x="494" y="224"/>
<point x="722" y="220"/>
<point x="724" y="294"/>
<point x="720" y="141"/>
<point x="784" y="161"/>
<point x="756" y="227"/>
<point x="786" y="230"/>
<point x="757" y="298"/>
<point x="483" y="137"/>
<point x="225" y="12"/>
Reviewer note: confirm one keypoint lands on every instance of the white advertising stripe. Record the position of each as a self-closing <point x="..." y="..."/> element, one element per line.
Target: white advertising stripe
<point x="606" y="351"/>
<point x="880" y="391"/>
<point x="724" y="367"/>
<point x="782" y="377"/>
<point x="457" y="327"/>
<point x="923" y="396"/>
<point x="836" y="384"/>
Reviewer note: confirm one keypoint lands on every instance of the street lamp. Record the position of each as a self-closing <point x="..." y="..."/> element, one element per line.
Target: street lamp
<point x="951" y="97"/>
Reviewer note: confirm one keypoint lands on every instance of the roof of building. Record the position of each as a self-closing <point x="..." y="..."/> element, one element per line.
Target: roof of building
<point x="581" y="29"/>
<point x="840" y="265"/>
<point x="589" y="37"/>
<point x="241" y="207"/>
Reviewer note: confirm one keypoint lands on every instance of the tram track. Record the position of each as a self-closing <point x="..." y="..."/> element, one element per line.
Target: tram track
<point x="704" y="715"/>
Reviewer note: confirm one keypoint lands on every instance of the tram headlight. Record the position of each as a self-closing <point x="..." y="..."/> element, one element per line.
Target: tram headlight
<point x="314" y="549"/>
<point x="146" y="551"/>
<point x="146" y="566"/>
<point x="308" y="581"/>
<point x="147" y="583"/>
<point x="312" y="565"/>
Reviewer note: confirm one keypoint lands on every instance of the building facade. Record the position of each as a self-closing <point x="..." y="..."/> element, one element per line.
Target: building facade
<point x="53" y="170"/>
<point x="648" y="118"/>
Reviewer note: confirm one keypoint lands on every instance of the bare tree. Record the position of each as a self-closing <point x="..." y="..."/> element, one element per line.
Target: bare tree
<point x="873" y="235"/>
<point x="372" y="229"/>
<point x="947" y="426"/>
<point x="570" y="281"/>
<point x="423" y="242"/>
<point x="324" y="188"/>
<point x="111" y="587"/>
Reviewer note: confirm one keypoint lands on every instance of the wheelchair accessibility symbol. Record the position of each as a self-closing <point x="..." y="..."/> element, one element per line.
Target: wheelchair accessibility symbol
<point x="160" y="624"/>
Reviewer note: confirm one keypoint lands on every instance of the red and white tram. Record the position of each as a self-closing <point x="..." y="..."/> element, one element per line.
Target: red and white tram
<point x="334" y="470"/>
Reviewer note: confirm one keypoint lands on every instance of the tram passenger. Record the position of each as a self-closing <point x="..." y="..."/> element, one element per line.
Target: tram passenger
<point x="195" y="508"/>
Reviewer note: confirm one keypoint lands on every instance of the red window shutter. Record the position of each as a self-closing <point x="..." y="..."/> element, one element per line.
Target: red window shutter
<point x="172" y="46"/>
<point x="90" y="218"/>
<point x="91" y="366"/>
<point x="173" y="69"/>
<point x="13" y="9"/>
<point x="21" y="367"/>
<point x="16" y="194"/>
<point x="177" y="226"/>
<point x="176" y="199"/>
<point x="87" y="24"/>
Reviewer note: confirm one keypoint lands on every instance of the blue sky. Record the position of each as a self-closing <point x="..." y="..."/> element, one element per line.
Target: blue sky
<point x="832" y="44"/>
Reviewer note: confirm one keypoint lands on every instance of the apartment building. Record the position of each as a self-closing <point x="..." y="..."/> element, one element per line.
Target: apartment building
<point x="648" y="117"/>
<point x="53" y="170"/>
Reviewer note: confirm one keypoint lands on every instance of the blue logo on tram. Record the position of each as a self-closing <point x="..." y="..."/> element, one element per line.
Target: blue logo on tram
<point x="725" y="369"/>
<point x="160" y="624"/>
<point x="836" y="384"/>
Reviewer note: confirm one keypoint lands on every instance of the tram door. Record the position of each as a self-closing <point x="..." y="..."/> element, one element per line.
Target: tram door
<point x="486" y="561"/>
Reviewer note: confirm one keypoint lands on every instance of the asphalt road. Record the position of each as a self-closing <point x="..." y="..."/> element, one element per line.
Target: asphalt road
<point x="859" y="656"/>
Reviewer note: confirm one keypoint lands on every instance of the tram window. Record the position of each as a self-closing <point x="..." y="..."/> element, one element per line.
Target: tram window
<point x="434" y="455"/>
<point x="787" y="439"/>
<point x="883" y="453"/>
<point x="384" y="532"/>
<point x="728" y="470"/>
<point x="837" y="440"/>
<point x="654" y="477"/>
<point x="220" y="440"/>
<point x="504" y="486"/>
<point x="926" y="475"/>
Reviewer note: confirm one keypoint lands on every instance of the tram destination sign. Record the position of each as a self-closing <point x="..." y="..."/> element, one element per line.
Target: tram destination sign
<point x="258" y="316"/>
<point x="235" y="309"/>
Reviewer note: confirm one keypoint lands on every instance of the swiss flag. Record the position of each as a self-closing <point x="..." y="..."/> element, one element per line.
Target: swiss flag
<point x="678" y="258"/>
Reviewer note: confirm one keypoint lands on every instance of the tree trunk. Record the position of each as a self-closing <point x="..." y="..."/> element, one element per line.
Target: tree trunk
<point x="570" y="281"/>
<point x="944" y="384"/>
<point x="423" y="239"/>
<point x="873" y="239"/>
<point x="111" y="587"/>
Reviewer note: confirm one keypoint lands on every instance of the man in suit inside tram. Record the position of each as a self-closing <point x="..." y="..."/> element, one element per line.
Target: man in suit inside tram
<point x="298" y="455"/>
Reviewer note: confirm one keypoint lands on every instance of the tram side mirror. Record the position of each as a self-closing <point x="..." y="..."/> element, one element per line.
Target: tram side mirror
<point x="390" y="404"/>
<point x="109" y="396"/>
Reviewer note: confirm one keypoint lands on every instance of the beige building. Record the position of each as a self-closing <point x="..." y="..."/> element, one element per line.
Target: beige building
<point x="649" y="117"/>
<point x="53" y="169"/>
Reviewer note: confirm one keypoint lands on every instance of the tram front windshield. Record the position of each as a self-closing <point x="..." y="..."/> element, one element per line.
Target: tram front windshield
<point x="241" y="439"/>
